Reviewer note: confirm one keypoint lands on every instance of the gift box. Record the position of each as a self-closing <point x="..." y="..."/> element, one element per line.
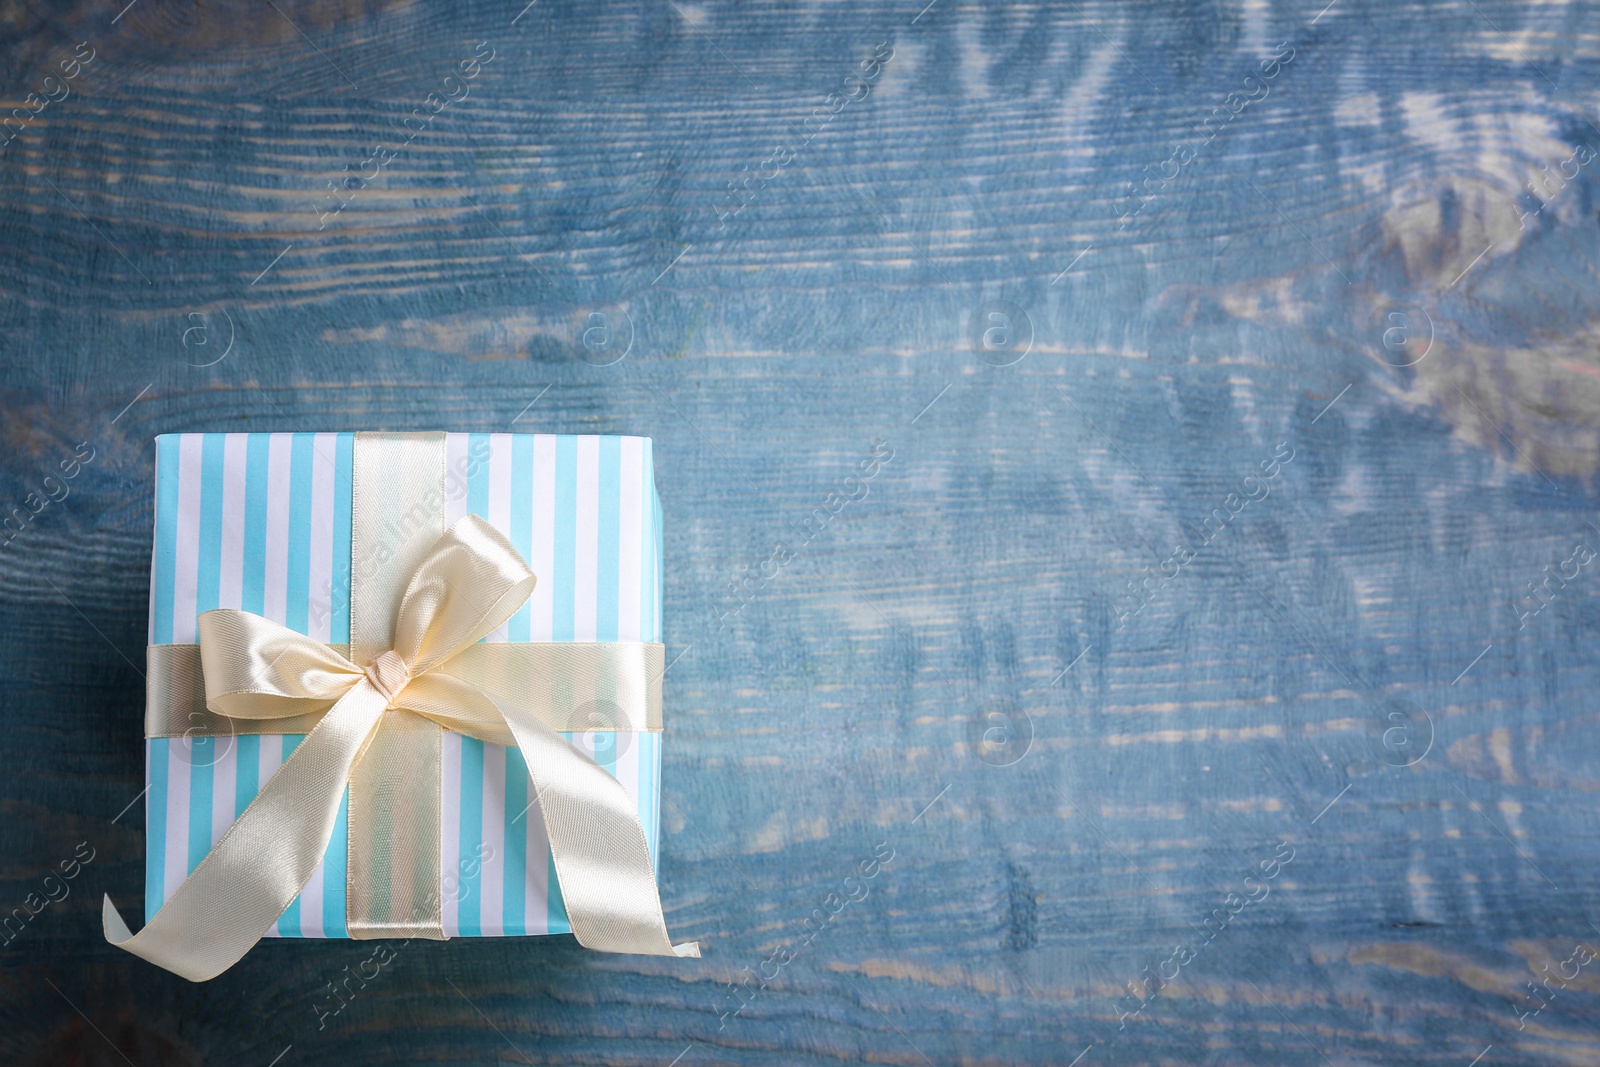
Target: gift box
<point x="262" y="523"/>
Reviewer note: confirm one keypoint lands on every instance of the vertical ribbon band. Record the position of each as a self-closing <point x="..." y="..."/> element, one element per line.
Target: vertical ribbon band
<point x="396" y="514"/>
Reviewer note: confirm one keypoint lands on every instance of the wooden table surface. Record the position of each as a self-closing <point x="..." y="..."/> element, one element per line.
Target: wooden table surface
<point x="1214" y="654"/>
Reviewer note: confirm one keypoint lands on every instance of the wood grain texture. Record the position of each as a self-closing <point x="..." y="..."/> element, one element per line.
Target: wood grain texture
<point x="1350" y="666"/>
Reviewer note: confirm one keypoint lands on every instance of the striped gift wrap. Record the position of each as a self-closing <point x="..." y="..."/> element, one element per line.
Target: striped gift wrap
<point x="261" y="522"/>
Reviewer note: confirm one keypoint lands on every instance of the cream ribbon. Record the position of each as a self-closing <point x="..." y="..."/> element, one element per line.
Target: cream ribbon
<point x="470" y="582"/>
<point x="392" y="848"/>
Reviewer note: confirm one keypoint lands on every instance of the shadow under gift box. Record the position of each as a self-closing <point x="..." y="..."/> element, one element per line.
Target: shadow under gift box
<point x="261" y="522"/>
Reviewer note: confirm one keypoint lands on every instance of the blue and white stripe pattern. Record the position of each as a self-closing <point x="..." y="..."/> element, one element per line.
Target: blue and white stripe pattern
<point x="262" y="522"/>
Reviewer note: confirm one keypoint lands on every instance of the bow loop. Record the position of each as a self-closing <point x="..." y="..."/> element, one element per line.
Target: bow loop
<point x="472" y="581"/>
<point x="257" y="669"/>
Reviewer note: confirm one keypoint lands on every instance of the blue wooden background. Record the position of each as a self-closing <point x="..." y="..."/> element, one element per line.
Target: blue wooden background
<point x="1087" y="272"/>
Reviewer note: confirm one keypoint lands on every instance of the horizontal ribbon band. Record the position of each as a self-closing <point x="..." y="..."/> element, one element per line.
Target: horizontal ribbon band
<point x="571" y="687"/>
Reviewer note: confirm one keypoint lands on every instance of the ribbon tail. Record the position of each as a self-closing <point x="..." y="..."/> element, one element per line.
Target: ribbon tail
<point x="264" y="860"/>
<point x="596" y="843"/>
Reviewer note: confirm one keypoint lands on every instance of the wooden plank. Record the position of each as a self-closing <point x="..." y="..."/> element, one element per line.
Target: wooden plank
<point x="1072" y="654"/>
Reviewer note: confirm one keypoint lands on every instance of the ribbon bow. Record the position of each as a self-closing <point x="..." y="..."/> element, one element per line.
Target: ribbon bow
<point x="470" y="582"/>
